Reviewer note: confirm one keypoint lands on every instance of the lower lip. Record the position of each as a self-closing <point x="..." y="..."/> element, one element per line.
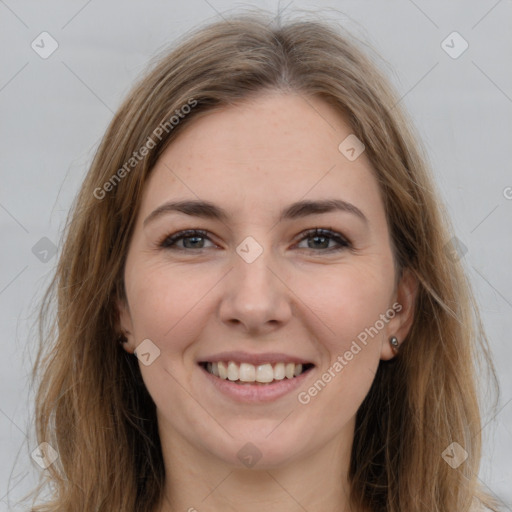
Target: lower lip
<point x="256" y="393"/>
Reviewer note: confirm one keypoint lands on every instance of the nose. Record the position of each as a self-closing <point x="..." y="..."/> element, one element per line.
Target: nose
<point x="256" y="298"/>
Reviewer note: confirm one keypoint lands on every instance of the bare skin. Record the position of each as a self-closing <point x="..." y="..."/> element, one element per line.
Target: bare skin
<point x="307" y="296"/>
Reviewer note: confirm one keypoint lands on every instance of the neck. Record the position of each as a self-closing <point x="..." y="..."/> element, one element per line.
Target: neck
<point x="317" y="481"/>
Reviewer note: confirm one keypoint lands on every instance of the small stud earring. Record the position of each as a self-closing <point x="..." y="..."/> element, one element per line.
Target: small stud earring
<point x="394" y="343"/>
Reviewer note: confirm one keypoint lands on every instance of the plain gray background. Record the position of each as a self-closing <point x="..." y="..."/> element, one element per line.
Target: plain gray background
<point x="54" y="110"/>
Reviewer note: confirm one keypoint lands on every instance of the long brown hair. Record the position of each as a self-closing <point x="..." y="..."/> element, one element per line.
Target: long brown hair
<point x="92" y="406"/>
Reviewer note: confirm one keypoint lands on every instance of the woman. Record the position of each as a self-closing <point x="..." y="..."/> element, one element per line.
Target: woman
<point x="258" y="303"/>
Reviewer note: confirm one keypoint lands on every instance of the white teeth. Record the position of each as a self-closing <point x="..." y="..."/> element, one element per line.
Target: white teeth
<point x="233" y="371"/>
<point x="246" y="372"/>
<point x="223" y="370"/>
<point x="279" y="371"/>
<point x="264" y="373"/>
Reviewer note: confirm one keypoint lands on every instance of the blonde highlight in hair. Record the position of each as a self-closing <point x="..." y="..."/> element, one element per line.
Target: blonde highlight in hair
<point x="92" y="405"/>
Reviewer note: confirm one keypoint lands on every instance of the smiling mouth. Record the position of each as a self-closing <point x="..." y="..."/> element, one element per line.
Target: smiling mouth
<point x="246" y="373"/>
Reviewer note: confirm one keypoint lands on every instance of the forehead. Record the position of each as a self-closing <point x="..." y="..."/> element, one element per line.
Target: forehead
<point x="272" y="149"/>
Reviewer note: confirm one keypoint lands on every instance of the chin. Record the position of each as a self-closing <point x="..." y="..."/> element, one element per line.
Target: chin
<point x="263" y="447"/>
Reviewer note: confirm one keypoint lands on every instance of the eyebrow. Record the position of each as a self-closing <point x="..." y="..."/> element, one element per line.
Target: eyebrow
<point x="208" y="210"/>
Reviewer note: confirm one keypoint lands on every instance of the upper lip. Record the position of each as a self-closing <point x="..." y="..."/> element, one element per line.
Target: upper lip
<point x="255" y="359"/>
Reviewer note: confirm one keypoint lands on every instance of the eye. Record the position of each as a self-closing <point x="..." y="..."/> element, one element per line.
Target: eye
<point x="323" y="237"/>
<point x="192" y="239"/>
<point x="195" y="239"/>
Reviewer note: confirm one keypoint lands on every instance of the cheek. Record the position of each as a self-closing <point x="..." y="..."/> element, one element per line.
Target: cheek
<point x="167" y="303"/>
<point x="349" y="304"/>
<point x="347" y="299"/>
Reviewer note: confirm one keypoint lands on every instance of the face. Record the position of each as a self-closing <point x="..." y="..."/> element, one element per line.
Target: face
<point x="256" y="292"/>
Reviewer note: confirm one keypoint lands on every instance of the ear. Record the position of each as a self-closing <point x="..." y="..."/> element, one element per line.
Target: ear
<point x="403" y="306"/>
<point x="124" y="324"/>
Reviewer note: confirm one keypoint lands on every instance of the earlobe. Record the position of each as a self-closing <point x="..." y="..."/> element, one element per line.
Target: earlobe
<point x="124" y="325"/>
<point x="399" y="326"/>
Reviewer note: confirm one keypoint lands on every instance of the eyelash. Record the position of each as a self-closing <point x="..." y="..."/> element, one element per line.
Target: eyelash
<point x="169" y="242"/>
